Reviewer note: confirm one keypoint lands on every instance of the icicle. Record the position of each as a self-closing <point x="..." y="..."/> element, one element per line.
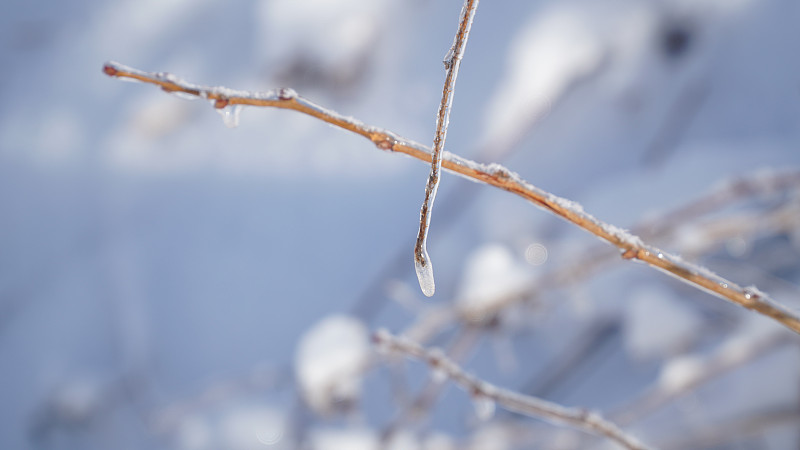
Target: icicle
<point x="230" y="115"/>
<point x="425" y="273"/>
<point x="484" y="406"/>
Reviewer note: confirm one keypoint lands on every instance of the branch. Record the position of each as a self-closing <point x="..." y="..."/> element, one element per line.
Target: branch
<point x="661" y="226"/>
<point x="580" y="418"/>
<point x="422" y="263"/>
<point x="493" y="174"/>
<point x="422" y="404"/>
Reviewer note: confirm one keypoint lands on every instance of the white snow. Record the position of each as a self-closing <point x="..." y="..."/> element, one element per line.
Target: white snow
<point x="656" y="324"/>
<point x="679" y="372"/>
<point x="336" y="35"/>
<point x="254" y="428"/>
<point x="492" y="436"/>
<point x="490" y="274"/>
<point x="438" y="441"/>
<point x="403" y="440"/>
<point x="551" y="52"/>
<point x="344" y="439"/>
<point x="193" y="433"/>
<point x="329" y="360"/>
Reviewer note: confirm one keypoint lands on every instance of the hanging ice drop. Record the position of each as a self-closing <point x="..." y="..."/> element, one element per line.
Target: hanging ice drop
<point x="230" y="115"/>
<point x="422" y="264"/>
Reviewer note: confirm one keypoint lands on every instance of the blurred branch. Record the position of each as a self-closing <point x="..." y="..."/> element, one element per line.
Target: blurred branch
<point x="665" y="225"/>
<point x="480" y="390"/>
<point x="494" y="174"/>
<point x="685" y="374"/>
<point x="423" y="403"/>
<point x="716" y="435"/>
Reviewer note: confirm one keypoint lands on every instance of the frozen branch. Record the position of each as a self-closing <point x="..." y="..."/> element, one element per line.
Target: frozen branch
<point x="482" y="391"/>
<point x="422" y="404"/>
<point x="632" y="248"/>
<point x="452" y="62"/>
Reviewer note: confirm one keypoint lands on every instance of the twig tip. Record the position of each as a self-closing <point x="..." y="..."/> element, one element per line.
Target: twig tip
<point x="109" y="69"/>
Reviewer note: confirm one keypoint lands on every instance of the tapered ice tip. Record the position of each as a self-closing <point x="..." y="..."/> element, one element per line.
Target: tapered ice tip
<point x="230" y="115"/>
<point x="425" y="274"/>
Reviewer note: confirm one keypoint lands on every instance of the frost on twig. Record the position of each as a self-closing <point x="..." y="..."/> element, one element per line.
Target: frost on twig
<point x="452" y="62"/>
<point x="631" y="247"/>
<point x="486" y="395"/>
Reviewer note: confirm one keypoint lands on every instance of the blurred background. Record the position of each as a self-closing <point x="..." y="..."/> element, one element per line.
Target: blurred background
<point x="168" y="282"/>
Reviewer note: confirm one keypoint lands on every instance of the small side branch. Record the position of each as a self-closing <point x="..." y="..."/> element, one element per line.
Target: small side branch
<point x="452" y="62"/>
<point x="580" y="418"/>
<point x="631" y="247"/>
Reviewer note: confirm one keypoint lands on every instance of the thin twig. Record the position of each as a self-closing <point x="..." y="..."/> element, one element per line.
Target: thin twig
<point x="452" y="62"/>
<point x="422" y="404"/>
<point x="588" y="421"/>
<point x="493" y="174"/>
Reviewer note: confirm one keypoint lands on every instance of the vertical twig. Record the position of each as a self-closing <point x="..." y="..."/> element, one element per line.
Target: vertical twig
<point x="452" y="61"/>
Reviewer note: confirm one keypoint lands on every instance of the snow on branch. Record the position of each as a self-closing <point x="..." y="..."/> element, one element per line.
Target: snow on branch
<point x="483" y="392"/>
<point x="632" y="248"/>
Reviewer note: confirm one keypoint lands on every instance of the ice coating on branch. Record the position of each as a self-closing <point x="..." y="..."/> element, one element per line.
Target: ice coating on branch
<point x="230" y="115"/>
<point x="424" y="271"/>
<point x="329" y="362"/>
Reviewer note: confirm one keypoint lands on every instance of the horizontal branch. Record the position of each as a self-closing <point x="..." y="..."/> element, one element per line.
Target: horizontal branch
<point x="580" y="418"/>
<point x="632" y="248"/>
